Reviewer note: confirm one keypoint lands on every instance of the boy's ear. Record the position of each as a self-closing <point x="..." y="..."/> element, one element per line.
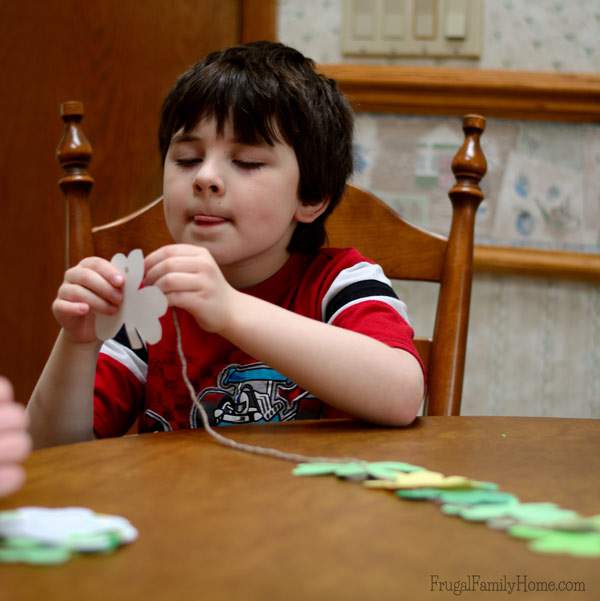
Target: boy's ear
<point x="308" y="213"/>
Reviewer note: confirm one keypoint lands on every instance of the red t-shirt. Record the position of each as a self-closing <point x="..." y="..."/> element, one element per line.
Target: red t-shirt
<point x="337" y="286"/>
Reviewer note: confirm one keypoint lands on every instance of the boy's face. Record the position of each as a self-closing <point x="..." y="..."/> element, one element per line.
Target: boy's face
<point x="238" y="201"/>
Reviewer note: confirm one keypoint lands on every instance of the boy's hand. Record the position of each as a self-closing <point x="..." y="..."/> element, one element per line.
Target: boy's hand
<point x="190" y="278"/>
<point x="94" y="285"/>
<point x="15" y="442"/>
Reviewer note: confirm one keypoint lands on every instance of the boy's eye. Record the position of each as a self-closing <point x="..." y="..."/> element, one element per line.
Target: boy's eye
<point x="248" y="164"/>
<point x="187" y="162"/>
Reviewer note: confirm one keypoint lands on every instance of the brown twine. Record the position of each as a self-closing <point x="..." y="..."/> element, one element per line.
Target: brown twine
<point x="233" y="444"/>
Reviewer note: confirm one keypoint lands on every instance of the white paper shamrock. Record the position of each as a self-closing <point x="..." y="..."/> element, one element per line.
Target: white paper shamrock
<point x="141" y="308"/>
<point x="71" y="526"/>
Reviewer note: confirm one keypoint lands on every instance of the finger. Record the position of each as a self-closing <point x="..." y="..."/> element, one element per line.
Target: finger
<point x="13" y="417"/>
<point x="178" y="264"/>
<point x="159" y="255"/>
<point x="104" y="268"/>
<point x="14" y="447"/>
<point x="94" y="282"/>
<point x="6" y="391"/>
<point x="172" y="250"/>
<point x="75" y="293"/>
<point x="183" y="300"/>
<point x="181" y="282"/>
<point x="12" y="478"/>
<point x="67" y="309"/>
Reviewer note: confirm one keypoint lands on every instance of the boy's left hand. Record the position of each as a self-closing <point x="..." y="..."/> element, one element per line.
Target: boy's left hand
<point x="191" y="279"/>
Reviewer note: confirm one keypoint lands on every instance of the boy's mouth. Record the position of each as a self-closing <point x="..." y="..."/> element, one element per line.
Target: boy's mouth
<point x="200" y="219"/>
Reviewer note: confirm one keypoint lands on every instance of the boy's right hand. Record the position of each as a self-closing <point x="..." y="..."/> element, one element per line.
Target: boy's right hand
<point x="93" y="286"/>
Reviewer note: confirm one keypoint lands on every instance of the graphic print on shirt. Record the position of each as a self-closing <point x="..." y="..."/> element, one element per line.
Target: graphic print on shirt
<point x="249" y="394"/>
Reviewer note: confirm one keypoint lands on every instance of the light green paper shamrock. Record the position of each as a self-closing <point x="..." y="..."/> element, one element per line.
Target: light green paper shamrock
<point x="485" y="493"/>
<point x="532" y="514"/>
<point x="19" y="550"/>
<point x="580" y="544"/>
<point x="359" y="470"/>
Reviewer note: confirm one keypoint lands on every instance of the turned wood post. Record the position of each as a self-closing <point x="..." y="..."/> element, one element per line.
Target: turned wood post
<point x="74" y="153"/>
<point x="452" y="319"/>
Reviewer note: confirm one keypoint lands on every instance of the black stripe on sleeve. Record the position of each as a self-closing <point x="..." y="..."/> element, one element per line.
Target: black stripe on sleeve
<point x="123" y="339"/>
<point x="362" y="289"/>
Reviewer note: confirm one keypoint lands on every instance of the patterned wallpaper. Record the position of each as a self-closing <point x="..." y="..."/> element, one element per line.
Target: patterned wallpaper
<point x="540" y="35"/>
<point x="541" y="187"/>
<point x="534" y="345"/>
<point x="544" y="35"/>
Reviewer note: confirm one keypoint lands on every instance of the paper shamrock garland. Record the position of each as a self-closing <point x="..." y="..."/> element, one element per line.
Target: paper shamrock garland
<point x="549" y="528"/>
<point x="140" y="309"/>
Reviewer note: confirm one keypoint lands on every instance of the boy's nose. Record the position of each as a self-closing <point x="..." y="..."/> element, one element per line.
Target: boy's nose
<point x="207" y="179"/>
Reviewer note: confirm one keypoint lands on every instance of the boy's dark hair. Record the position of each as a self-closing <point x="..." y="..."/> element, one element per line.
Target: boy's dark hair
<point x="271" y="91"/>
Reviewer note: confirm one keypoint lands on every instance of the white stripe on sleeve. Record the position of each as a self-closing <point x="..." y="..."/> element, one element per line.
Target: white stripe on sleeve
<point x="126" y="357"/>
<point x="358" y="273"/>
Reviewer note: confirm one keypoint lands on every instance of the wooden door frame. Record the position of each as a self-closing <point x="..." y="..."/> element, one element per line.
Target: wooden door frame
<point x="259" y="20"/>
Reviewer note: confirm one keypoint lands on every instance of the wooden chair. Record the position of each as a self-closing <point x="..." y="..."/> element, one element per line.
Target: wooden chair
<point x="409" y="253"/>
<point x="361" y="220"/>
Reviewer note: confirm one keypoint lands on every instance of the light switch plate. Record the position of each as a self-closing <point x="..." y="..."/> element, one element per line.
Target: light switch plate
<point x="415" y="28"/>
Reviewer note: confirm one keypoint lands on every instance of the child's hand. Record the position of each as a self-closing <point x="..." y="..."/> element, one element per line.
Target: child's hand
<point x="94" y="285"/>
<point x="15" y="442"/>
<point x="191" y="280"/>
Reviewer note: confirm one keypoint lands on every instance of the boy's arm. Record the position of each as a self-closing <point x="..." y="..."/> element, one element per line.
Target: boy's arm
<point x="349" y="371"/>
<point x="61" y="405"/>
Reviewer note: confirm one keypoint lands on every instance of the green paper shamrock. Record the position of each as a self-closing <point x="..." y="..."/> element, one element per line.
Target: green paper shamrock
<point x="420" y="494"/>
<point x="580" y="544"/>
<point x="32" y="551"/>
<point x="574" y="523"/>
<point x="18" y="550"/>
<point x="94" y="543"/>
<point x="532" y="514"/>
<point x="359" y="470"/>
<point x="486" y="493"/>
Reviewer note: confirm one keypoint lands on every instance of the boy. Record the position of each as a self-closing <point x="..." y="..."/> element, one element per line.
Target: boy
<point x="15" y="442"/>
<point x="256" y="151"/>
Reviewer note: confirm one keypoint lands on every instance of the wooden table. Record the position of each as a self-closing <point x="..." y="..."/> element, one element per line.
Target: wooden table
<point x="220" y="524"/>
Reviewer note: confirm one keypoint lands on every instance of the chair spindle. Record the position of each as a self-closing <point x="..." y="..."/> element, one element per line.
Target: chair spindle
<point x="447" y="361"/>
<point x="74" y="153"/>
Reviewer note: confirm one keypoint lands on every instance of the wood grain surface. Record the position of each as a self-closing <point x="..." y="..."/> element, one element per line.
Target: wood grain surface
<point x="219" y="524"/>
<point x="447" y="91"/>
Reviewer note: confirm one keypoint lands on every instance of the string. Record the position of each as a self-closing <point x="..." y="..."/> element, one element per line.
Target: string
<point x="233" y="444"/>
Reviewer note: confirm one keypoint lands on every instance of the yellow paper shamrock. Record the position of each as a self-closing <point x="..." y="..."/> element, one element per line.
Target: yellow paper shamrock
<point x="422" y="479"/>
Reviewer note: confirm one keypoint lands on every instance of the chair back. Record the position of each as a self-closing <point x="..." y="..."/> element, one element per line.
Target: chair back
<point x="406" y="252"/>
<point x="144" y="228"/>
<point x="361" y="220"/>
